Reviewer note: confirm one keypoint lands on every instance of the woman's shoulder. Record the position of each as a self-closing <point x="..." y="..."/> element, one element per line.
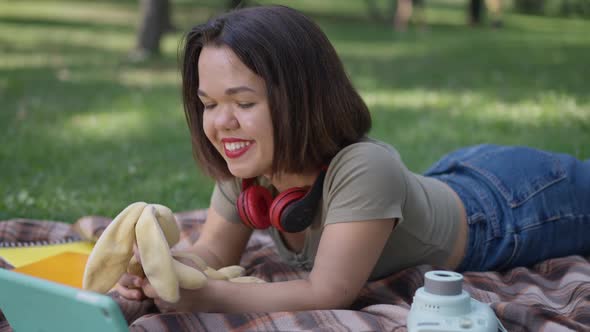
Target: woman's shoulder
<point x="365" y="181"/>
<point x="366" y="161"/>
<point x="367" y="150"/>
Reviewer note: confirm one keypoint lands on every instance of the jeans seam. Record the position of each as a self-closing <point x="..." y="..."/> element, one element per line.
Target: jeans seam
<point x="559" y="176"/>
<point x="476" y="218"/>
<point x="544" y="221"/>
<point x="490" y="212"/>
<point x="465" y="265"/>
<point x="499" y="185"/>
<point x="511" y="258"/>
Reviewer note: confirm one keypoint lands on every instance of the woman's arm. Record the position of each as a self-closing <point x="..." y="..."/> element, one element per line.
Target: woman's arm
<point x="221" y="243"/>
<point x="346" y="256"/>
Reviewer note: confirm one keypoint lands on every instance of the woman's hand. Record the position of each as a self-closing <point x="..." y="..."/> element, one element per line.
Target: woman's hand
<point x="129" y="286"/>
<point x="191" y="300"/>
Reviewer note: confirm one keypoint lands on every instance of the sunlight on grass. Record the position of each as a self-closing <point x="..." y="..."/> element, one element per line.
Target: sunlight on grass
<point x="65" y="12"/>
<point x="548" y="107"/>
<point x="326" y="7"/>
<point x="557" y="25"/>
<point x="86" y="131"/>
<point x="375" y="50"/>
<point x="25" y="40"/>
<point x="108" y="125"/>
<point x="22" y="60"/>
<point x="389" y="99"/>
<point x="148" y="77"/>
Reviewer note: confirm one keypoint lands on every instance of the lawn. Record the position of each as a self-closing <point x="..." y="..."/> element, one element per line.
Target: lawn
<point x="84" y="132"/>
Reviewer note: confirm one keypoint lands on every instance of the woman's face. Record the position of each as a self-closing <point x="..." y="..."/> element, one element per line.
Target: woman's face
<point x="236" y="116"/>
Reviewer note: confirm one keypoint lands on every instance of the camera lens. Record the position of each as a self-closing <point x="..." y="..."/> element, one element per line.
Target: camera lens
<point x="441" y="274"/>
<point x="443" y="283"/>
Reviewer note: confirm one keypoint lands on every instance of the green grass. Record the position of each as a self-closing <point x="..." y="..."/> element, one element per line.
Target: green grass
<point x="82" y="132"/>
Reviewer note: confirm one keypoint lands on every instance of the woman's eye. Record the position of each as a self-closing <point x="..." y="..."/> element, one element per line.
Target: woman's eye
<point x="246" y="105"/>
<point x="209" y="106"/>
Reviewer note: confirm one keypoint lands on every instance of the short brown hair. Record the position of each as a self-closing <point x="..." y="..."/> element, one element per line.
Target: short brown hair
<point x="314" y="108"/>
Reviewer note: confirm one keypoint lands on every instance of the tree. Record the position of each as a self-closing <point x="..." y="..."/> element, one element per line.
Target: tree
<point x="378" y="14"/>
<point x="232" y="4"/>
<point x="155" y="21"/>
<point x="476" y="11"/>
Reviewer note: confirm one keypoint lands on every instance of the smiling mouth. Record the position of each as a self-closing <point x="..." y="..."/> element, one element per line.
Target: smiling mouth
<point x="236" y="149"/>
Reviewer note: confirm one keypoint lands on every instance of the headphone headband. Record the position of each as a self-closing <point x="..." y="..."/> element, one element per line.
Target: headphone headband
<point x="300" y="213"/>
<point x="291" y="211"/>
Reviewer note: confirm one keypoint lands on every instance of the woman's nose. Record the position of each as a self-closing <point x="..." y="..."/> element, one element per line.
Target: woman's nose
<point x="226" y="119"/>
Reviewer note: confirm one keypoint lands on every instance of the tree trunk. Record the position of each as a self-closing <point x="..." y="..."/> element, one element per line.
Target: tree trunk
<point x="154" y="22"/>
<point x="379" y="15"/>
<point x="475" y="12"/>
<point x="233" y="4"/>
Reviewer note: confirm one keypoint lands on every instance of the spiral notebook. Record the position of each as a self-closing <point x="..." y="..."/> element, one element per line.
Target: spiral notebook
<point x="21" y="254"/>
<point x="60" y="262"/>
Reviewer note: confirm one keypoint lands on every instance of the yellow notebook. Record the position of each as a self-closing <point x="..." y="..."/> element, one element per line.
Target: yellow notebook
<point x="21" y="256"/>
<point x="66" y="268"/>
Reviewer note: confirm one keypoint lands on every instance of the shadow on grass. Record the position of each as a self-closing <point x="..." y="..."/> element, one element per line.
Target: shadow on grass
<point x="423" y="135"/>
<point x="510" y="68"/>
<point x="153" y="161"/>
<point x="47" y="23"/>
<point x="73" y="166"/>
<point x="75" y="148"/>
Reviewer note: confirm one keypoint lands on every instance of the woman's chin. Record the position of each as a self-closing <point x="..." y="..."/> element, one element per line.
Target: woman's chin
<point x="242" y="173"/>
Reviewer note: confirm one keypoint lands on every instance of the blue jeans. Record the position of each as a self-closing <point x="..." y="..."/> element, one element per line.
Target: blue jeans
<point x="523" y="205"/>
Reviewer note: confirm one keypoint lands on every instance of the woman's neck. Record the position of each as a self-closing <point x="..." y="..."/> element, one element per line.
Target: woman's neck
<point x="288" y="180"/>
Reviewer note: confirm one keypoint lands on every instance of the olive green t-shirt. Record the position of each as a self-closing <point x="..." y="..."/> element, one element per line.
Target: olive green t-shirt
<point x="367" y="181"/>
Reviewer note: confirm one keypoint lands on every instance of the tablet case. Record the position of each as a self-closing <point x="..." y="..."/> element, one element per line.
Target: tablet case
<point x="34" y="304"/>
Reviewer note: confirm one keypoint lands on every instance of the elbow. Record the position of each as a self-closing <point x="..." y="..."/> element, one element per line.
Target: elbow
<point x="333" y="296"/>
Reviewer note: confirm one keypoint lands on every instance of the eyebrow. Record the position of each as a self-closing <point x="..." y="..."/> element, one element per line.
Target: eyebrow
<point x="229" y="91"/>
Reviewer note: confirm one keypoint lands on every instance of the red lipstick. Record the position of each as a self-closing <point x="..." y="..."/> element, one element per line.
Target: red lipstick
<point x="240" y="147"/>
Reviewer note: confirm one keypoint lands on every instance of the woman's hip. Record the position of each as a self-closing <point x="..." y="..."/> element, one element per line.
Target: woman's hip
<point x="522" y="204"/>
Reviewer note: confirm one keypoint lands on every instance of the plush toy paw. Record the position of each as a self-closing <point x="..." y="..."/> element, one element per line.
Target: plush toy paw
<point x="153" y="228"/>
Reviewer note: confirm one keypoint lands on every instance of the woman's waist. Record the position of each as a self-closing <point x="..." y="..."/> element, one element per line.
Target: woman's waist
<point x="440" y="222"/>
<point x="459" y="250"/>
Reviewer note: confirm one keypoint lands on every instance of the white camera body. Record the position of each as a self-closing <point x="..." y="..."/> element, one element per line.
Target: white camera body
<point x="443" y="305"/>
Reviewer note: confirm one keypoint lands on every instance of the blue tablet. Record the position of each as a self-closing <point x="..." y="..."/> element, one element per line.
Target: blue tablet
<point x="33" y="304"/>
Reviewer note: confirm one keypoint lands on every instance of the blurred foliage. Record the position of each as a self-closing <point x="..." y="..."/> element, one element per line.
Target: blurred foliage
<point x="569" y="8"/>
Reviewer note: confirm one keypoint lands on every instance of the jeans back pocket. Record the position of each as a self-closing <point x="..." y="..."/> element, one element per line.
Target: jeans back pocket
<point x="517" y="173"/>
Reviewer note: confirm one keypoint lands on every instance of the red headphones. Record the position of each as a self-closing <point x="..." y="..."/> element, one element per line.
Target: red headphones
<point x="291" y="211"/>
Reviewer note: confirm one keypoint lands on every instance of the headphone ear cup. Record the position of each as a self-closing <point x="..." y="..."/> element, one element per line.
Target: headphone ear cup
<point x="280" y="203"/>
<point x="253" y="206"/>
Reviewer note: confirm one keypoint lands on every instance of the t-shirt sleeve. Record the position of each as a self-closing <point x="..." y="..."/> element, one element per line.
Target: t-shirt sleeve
<point x="224" y="198"/>
<point x="367" y="182"/>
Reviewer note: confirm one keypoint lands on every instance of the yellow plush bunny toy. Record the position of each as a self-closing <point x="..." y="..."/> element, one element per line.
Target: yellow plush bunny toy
<point x="154" y="229"/>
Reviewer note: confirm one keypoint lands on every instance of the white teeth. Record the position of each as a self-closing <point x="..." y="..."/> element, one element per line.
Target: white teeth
<point x="236" y="145"/>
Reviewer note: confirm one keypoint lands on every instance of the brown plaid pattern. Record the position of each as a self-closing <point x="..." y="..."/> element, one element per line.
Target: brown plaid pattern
<point x="553" y="295"/>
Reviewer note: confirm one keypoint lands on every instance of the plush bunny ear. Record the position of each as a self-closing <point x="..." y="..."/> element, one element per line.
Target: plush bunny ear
<point x="189" y="277"/>
<point x="156" y="258"/>
<point x="168" y="224"/>
<point x="113" y="250"/>
<point x="135" y="267"/>
<point x="153" y="227"/>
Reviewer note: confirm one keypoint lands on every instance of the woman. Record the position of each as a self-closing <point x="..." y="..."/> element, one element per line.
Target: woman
<point x="275" y="120"/>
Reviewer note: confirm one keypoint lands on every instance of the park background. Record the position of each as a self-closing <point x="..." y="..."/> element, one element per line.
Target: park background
<point x="84" y="130"/>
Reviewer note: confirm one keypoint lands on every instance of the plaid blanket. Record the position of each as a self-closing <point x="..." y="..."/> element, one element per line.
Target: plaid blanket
<point x="553" y="295"/>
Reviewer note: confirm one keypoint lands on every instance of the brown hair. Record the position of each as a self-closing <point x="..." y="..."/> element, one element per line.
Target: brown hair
<point x="314" y="108"/>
